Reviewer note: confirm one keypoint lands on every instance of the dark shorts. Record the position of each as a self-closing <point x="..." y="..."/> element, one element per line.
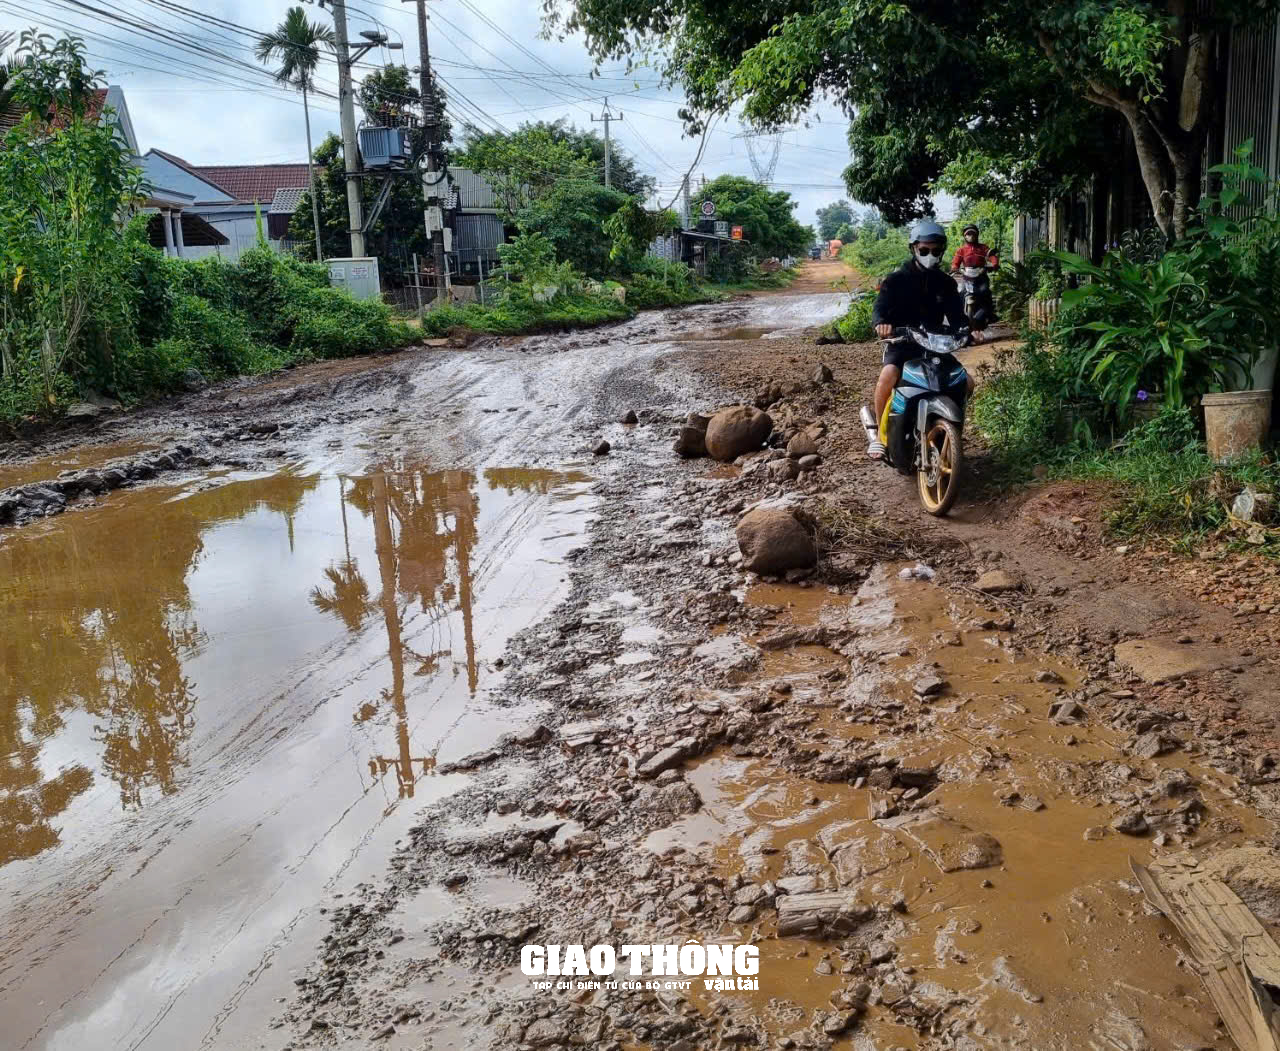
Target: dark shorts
<point x="900" y="352"/>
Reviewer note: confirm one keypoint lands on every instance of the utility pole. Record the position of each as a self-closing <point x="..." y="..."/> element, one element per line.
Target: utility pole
<point x="436" y="178"/>
<point x="684" y="197"/>
<point x="350" y="149"/>
<point x="606" y="117"/>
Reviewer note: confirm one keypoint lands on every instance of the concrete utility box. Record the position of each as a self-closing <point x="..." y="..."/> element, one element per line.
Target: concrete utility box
<point x="357" y="276"/>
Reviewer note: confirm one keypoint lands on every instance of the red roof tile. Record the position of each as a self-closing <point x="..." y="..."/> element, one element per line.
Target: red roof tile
<point x="13" y="114"/>
<point x="254" y="182"/>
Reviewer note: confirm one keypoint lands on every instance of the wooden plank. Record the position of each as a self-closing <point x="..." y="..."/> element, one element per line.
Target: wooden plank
<point x="1238" y="959"/>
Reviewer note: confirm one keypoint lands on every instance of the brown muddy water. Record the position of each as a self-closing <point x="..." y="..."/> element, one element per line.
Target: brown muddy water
<point x="78" y="459"/>
<point x="1054" y="946"/>
<point x="222" y="701"/>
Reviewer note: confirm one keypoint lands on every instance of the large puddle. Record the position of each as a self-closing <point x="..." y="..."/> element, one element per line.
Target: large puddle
<point x="1050" y="945"/>
<point x="214" y="699"/>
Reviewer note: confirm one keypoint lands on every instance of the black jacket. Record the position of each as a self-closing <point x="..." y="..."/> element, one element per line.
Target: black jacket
<point x="919" y="298"/>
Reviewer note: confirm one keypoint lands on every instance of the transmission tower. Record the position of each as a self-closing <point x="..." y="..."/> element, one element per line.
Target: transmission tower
<point x="764" y="157"/>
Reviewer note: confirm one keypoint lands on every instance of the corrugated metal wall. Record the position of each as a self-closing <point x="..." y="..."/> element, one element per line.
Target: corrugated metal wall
<point x="1252" y="105"/>
<point x="473" y="191"/>
<point x="473" y="233"/>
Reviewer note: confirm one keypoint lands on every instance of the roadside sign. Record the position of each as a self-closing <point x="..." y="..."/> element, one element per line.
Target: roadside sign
<point x="435" y="219"/>
<point x="708" y="209"/>
<point x="722" y="228"/>
<point x="737" y="233"/>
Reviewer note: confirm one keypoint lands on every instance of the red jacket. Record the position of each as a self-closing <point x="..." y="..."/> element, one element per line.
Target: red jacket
<point x="970" y="255"/>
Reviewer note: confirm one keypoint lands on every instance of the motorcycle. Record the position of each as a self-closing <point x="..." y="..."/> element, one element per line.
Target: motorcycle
<point x="975" y="285"/>
<point x="923" y="422"/>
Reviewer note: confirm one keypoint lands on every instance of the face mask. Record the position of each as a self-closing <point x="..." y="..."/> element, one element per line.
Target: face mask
<point x="925" y="259"/>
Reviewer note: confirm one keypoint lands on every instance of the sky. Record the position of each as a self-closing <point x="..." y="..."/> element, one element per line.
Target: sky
<point x="224" y="109"/>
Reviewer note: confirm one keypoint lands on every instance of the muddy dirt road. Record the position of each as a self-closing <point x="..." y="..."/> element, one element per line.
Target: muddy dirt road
<point x="355" y="688"/>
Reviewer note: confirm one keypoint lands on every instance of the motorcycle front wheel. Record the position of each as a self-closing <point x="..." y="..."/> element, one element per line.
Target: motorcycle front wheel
<point x="941" y="456"/>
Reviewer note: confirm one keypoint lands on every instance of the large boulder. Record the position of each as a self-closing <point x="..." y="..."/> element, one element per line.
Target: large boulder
<point x="773" y="540"/>
<point x="737" y="430"/>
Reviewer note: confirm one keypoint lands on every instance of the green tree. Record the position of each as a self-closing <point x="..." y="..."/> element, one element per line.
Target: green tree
<point x="390" y="98"/>
<point x="572" y="216"/>
<point x="296" y="43"/>
<point x="1000" y="100"/>
<point x="525" y="164"/>
<point x="832" y="217"/>
<point x="66" y="181"/>
<point x="764" y="215"/>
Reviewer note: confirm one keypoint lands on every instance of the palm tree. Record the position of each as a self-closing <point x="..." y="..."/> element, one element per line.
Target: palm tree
<point x="296" y="43"/>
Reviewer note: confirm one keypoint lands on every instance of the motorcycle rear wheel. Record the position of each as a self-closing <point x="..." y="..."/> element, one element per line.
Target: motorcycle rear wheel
<point x="941" y="458"/>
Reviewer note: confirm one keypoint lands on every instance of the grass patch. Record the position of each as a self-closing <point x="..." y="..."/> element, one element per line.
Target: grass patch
<point x="764" y="281"/>
<point x="521" y="315"/>
<point x="1164" y="483"/>
<point x="843" y="528"/>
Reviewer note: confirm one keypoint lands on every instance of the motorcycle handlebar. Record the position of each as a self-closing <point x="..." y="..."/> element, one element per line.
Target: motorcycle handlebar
<point x="964" y="336"/>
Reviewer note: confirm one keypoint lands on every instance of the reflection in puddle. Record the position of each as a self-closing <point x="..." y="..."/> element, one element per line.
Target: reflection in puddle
<point x="217" y="697"/>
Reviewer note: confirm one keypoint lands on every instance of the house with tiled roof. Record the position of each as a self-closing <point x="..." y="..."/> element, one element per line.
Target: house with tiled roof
<point x="172" y="227"/>
<point x="230" y="197"/>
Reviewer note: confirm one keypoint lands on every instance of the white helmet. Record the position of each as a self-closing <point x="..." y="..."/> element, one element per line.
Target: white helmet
<point x="926" y="230"/>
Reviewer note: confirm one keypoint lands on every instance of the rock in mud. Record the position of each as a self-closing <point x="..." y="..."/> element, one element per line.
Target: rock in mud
<point x="947" y="843"/>
<point x="822" y="374"/>
<point x="928" y="686"/>
<point x="668" y="758"/>
<point x="773" y="540"/>
<point x="691" y="440"/>
<point x="800" y="446"/>
<point x="602" y="447"/>
<point x="735" y="431"/>
<point x="783" y="470"/>
<point x="1151" y="744"/>
<point x="1131" y="823"/>
<point x="995" y="581"/>
<point x="821" y="914"/>
<point x="674" y="799"/>
<point x="629" y="417"/>
<point x="546" y="1032"/>
<point x="1066" y="713"/>
<point x="193" y="380"/>
<point x="808" y="463"/>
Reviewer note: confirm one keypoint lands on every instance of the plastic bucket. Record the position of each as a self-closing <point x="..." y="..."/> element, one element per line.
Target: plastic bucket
<point x="1236" y="423"/>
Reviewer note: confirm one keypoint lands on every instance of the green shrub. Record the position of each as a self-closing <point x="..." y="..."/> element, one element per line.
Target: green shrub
<point x="876" y="256"/>
<point x="659" y="283"/>
<point x="1021" y="408"/>
<point x="854" y="325"/>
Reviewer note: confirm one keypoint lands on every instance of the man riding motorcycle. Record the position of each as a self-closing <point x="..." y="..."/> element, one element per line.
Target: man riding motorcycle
<point x="973" y="252"/>
<point x="916" y="295"/>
